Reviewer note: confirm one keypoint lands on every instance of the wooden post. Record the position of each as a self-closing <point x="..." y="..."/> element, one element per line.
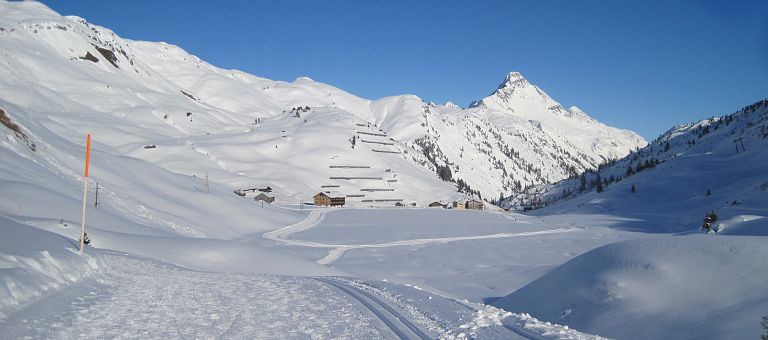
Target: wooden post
<point x="85" y="193"/>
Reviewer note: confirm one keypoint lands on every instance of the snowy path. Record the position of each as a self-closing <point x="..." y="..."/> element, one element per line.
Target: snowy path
<point x="141" y="298"/>
<point x="396" y="322"/>
<point x="318" y="216"/>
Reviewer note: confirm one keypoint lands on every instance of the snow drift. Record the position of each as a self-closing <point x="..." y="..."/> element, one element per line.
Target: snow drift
<point x="694" y="286"/>
<point x="34" y="261"/>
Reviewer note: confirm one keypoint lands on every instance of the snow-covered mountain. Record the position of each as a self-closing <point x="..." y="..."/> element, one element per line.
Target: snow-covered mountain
<point x="174" y="135"/>
<point x="518" y="137"/>
<point x="714" y="166"/>
<point x="718" y="163"/>
<point x="518" y="97"/>
<point x="64" y="77"/>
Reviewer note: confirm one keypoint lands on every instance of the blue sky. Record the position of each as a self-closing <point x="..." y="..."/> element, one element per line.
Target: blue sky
<point x="641" y="65"/>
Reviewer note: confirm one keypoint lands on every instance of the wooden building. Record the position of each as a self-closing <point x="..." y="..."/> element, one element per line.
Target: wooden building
<point x="330" y="198"/>
<point x="473" y="205"/>
<point x="470" y="204"/>
<point x="437" y="204"/>
<point x="264" y="197"/>
<point x="251" y="191"/>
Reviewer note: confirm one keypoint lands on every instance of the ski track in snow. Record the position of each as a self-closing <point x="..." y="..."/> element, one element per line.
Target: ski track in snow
<point x="141" y="298"/>
<point x="396" y="322"/>
<point x="318" y="216"/>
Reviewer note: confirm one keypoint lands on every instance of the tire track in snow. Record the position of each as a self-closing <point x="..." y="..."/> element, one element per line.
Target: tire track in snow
<point x="318" y="216"/>
<point x="396" y="322"/>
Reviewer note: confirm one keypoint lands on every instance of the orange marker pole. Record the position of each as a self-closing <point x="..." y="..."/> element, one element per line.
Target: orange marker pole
<point x="85" y="193"/>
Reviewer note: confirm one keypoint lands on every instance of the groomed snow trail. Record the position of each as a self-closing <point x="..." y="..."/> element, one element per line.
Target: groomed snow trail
<point x="318" y="216"/>
<point x="142" y="298"/>
<point x="398" y="324"/>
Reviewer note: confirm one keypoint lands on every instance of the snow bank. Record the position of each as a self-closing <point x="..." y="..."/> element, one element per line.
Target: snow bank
<point x="744" y="225"/>
<point x="453" y="319"/>
<point x="695" y="286"/>
<point x="34" y="261"/>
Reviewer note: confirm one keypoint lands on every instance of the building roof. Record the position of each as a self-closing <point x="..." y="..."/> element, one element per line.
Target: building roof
<point x="467" y="200"/>
<point x="331" y="194"/>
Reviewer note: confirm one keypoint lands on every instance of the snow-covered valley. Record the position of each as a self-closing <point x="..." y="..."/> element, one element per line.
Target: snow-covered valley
<point x="177" y="254"/>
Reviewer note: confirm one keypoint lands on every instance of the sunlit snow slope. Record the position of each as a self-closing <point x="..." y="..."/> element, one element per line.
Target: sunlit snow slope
<point x="695" y="283"/>
<point x="63" y="77"/>
<point x="716" y="164"/>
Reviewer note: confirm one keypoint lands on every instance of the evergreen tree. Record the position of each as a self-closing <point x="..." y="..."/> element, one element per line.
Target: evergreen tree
<point x="599" y="184"/>
<point x="444" y="172"/>
<point x="709" y="192"/>
<point x="764" y="336"/>
<point x="630" y="171"/>
<point x="582" y="183"/>
<point x="633" y="189"/>
<point x="709" y="221"/>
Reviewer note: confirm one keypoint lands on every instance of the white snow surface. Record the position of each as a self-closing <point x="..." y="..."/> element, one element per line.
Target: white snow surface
<point x="683" y="287"/>
<point x="177" y="254"/>
<point x="34" y="262"/>
<point x="56" y="293"/>
<point x="690" y="284"/>
<point x="243" y="130"/>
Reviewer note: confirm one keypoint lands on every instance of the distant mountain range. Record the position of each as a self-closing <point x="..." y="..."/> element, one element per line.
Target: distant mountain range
<point x="715" y="164"/>
<point x="62" y="77"/>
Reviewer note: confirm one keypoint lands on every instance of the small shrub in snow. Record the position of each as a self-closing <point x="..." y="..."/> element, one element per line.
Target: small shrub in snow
<point x="709" y="221"/>
<point x="87" y="240"/>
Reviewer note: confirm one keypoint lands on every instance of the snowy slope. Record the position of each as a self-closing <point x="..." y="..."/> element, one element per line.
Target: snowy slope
<point x="703" y="285"/>
<point x="164" y="121"/>
<point x="72" y="77"/>
<point x="33" y="262"/>
<point x="516" y="96"/>
<point x="685" y="287"/>
<point x="131" y="296"/>
<point x="673" y="175"/>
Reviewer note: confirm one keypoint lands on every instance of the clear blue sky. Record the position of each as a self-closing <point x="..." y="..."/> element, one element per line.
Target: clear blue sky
<point x="641" y="65"/>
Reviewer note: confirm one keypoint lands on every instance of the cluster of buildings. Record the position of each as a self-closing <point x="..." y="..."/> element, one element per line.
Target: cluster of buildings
<point x="258" y="194"/>
<point x="465" y="204"/>
<point x="337" y="199"/>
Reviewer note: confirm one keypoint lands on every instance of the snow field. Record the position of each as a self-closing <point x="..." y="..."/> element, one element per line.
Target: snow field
<point x="141" y="298"/>
<point x="34" y="263"/>
<point x="236" y="128"/>
<point x="691" y="286"/>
